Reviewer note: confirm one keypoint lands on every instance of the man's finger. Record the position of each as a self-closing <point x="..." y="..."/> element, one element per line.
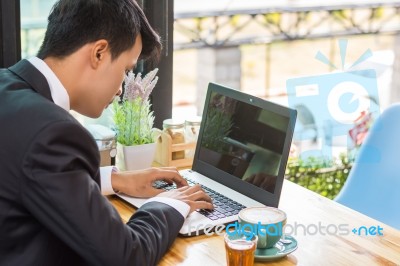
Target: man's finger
<point x="179" y="181"/>
<point x="171" y="175"/>
<point x="194" y="205"/>
<point x="190" y="189"/>
<point x="199" y="195"/>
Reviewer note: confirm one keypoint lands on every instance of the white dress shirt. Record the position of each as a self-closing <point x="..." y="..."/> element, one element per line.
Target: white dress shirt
<point x="61" y="98"/>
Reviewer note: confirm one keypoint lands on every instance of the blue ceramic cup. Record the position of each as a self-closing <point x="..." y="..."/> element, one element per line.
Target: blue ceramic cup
<point x="265" y="222"/>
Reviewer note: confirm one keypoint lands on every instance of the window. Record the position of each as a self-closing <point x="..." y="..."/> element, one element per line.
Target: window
<point x="33" y="25"/>
<point x="24" y="23"/>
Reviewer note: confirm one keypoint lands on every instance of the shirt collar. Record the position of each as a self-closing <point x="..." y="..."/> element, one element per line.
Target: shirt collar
<point x="57" y="90"/>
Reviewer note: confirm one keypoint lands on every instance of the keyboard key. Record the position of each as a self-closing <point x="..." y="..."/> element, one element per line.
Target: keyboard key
<point x="228" y="209"/>
<point x="218" y="203"/>
<point x="223" y="206"/>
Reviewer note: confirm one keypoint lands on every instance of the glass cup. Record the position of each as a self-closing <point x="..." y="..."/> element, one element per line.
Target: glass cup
<point x="240" y="248"/>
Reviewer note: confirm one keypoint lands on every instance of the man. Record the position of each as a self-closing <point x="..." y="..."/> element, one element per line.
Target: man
<point x="51" y="208"/>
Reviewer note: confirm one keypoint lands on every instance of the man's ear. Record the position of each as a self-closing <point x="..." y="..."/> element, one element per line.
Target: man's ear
<point x="99" y="51"/>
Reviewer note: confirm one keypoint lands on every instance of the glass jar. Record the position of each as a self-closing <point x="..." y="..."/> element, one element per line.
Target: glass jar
<point x="176" y="129"/>
<point x="192" y="128"/>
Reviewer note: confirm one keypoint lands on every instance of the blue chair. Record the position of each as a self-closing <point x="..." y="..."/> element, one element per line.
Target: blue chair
<point x="373" y="185"/>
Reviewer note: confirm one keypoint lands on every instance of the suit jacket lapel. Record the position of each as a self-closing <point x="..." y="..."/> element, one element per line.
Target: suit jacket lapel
<point x="31" y="75"/>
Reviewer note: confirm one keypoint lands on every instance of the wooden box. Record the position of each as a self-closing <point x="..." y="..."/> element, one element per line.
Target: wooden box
<point x="166" y="149"/>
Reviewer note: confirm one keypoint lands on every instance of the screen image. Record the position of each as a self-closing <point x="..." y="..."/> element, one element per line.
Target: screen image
<point x="243" y="140"/>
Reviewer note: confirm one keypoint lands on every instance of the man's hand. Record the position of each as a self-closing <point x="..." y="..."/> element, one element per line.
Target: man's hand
<point x="140" y="183"/>
<point x="194" y="196"/>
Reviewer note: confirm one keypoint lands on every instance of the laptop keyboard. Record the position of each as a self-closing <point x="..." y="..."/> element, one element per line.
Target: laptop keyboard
<point x="223" y="206"/>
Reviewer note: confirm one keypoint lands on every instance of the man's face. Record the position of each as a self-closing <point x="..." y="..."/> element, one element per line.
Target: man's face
<point x="107" y="82"/>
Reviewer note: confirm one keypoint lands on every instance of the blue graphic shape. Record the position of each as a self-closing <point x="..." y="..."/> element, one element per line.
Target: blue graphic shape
<point x="348" y="102"/>
<point x="343" y="49"/>
<point x="321" y="57"/>
<point x="314" y="93"/>
<point x="367" y="54"/>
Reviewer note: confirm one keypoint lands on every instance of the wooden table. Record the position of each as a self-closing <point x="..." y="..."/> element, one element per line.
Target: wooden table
<point x="306" y="208"/>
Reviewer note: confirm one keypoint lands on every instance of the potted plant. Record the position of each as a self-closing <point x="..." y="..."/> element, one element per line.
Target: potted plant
<point x="134" y="119"/>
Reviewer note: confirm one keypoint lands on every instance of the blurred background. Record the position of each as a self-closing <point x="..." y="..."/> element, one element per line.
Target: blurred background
<point x="256" y="46"/>
<point x="266" y="42"/>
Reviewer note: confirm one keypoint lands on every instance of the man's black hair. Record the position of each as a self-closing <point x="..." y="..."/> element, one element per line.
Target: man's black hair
<point x="74" y="23"/>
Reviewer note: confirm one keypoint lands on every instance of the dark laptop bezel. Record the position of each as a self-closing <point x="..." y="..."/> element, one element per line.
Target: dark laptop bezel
<point x="258" y="194"/>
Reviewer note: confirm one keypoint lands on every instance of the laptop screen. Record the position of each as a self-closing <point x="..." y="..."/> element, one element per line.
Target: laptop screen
<point x="246" y="138"/>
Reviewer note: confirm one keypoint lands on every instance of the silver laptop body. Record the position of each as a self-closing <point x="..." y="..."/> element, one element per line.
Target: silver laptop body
<point x="240" y="157"/>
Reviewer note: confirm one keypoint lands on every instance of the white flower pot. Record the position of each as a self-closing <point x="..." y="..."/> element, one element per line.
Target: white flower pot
<point x="135" y="157"/>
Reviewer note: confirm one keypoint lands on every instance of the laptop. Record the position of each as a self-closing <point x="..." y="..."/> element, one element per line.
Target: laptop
<point x="240" y="157"/>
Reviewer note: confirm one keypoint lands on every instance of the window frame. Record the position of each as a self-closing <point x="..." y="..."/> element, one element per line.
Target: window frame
<point x="10" y="32"/>
<point x="160" y="14"/>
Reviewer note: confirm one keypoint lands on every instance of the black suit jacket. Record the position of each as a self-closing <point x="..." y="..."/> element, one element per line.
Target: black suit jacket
<point x="51" y="208"/>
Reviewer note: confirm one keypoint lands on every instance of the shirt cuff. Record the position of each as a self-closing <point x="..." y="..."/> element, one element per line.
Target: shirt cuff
<point x="180" y="206"/>
<point x="105" y="180"/>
